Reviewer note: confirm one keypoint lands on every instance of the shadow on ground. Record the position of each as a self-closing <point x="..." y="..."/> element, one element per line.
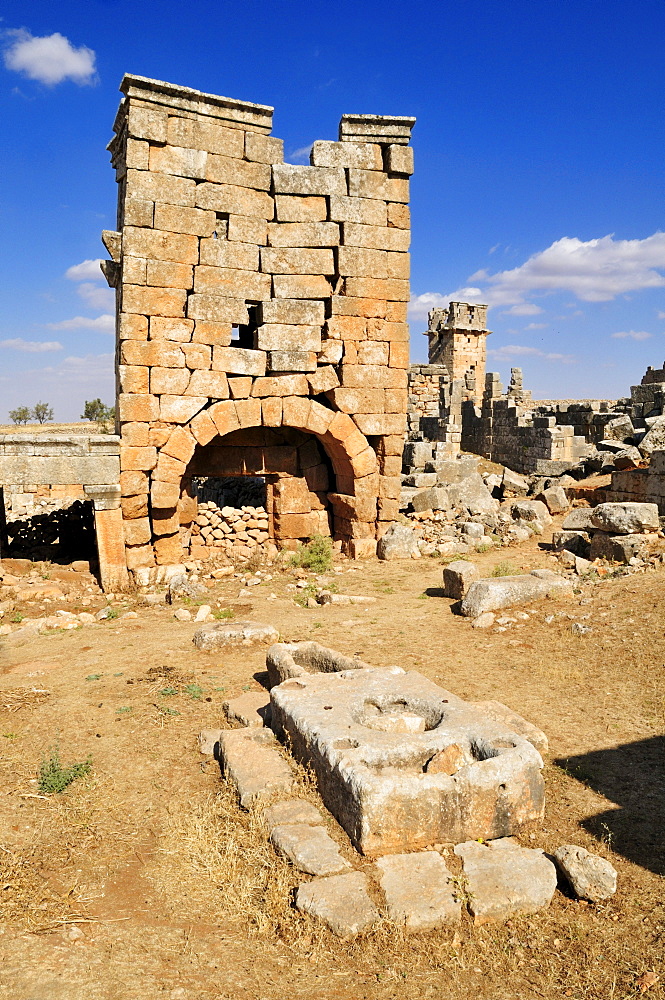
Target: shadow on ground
<point x="633" y="776"/>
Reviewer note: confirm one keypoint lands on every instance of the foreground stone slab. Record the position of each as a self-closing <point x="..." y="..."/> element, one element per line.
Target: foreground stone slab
<point x="249" y="709"/>
<point x="590" y="876"/>
<point x="309" y="848"/>
<point x="251" y="759"/>
<point x="297" y="659"/>
<point x="504" y="591"/>
<point x="292" y="811"/>
<point x="419" y="891"/>
<point x="399" y="542"/>
<point x="625" y="518"/>
<point x="458" y="577"/>
<point x="517" y="723"/>
<point x="505" y="879"/>
<point x="370" y="736"/>
<point x="222" y="634"/>
<point x="340" y="901"/>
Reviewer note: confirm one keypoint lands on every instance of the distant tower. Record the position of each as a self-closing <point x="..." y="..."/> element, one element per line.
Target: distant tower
<point x="457" y="339"/>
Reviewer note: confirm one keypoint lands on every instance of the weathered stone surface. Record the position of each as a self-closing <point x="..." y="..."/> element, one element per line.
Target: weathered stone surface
<point x="579" y="519"/>
<point x="590" y="876"/>
<point x="251" y="759"/>
<point x="292" y="811"/>
<point x="512" y="482"/>
<point x="458" y="577"/>
<point x="298" y="659"/>
<point x="249" y="709"/>
<point x="243" y="633"/>
<point x="618" y="548"/>
<point x="571" y="541"/>
<point x="398" y="542"/>
<point x="418" y="889"/>
<point x="531" y="510"/>
<point x="505" y="879"/>
<point x="625" y="518"/>
<point x="486" y="620"/>
<point x="654" y="439"/>
<point x="309" y="848"/>
<point x="208" y="740"/>
<point x="340" y="901"/>
<point x="436" y="498"/>
<point x="472" y="494"/>
<point x="555" y="499"/>
<point x="504" y="591"/>
<point x="369" y="735"/>
<point x="517" y="723"/>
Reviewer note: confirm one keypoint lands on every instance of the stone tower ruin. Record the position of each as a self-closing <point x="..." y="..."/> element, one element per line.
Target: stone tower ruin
<point x="457" y="339"/>
<point x="261" y="319"/>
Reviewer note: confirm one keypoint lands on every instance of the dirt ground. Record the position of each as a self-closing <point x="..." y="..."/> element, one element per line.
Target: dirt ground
<point x="144" y="881"/>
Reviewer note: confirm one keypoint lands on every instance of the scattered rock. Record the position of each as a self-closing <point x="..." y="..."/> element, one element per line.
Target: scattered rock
<point x="203" y="613"/>
<point x="531" y="510"/>
<point x="221" y="634"/>
<point x="504" y="591"/>
<point x="590" y="876"/>
<point x="486" y="620"/>
<point x="181" y="586"/>
<point x="619" y="548"/>
<point x="449" y="760"/>
<point x="249" y="709"/>
<point x="505" y="879"/>
<point x="310" y="848"/>
<point x="183" y="615"/>
<point x="208" y="740"/>
<point x="555" y="499"/>
<point x="340" y="901"/>
<point x="399" y="542"/>
<point x="418" y="889"/>
<point x="625" y="518"/>
<point x="458" y="577"/>
<point x="579" y="519"/>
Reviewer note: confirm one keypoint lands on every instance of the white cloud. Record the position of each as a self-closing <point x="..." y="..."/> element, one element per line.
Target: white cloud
<point x="523" y="309"/>
<point x="420" y="305"/>
<point x="510" y="351"/>
<point x="50" y="59"/>
<point x="302" y="153"/>
<point x="96" y="296"/>
<point x="535" y="326"/>
<point x="103" y="324"/>
<point x="31" y="346"/>
<point x="87" y="270"/>
<point x="632" y="335"/>
<point x="661" y="314"/>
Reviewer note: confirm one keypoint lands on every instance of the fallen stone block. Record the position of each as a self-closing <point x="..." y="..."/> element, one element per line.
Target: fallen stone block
<point x="221" y="634"/>
<point x="458" y="577"/>
<point x="326" y="597"/>
<point x="517" y="723"/>
<point x="505" y="880"/>
<point x="309" y="848"/>
<point x="208" y="740"/>
<point x="513" y="483"/>
<point x="436" y="498"/>
<point x="555" y="499"/>
<point x="625" y="518"/>
<point x="418" y="890"/>
<point x="654" y="439"/>
<point x="579" y="519"/>
<point x="251" y="759"/>
<point x="342" y="902"/>
<point x="590" y="876"/>
<point x="398" y="542"/>
<point x="472" y="495"/>
<point x="298" y="659"/>
<point x="618" y="548"/>
<point x="572" y="541"/>
<point x="504" y="591"/>
<point x="249" y="709"/>
<point x="486" y="620"/>
<point x="531" y="511"/>
<point x="627" y="458"/>
<point x="292" y="811"/>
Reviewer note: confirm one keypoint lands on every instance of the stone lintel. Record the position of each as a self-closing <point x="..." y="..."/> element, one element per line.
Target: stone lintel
<point x="393" y="129"/>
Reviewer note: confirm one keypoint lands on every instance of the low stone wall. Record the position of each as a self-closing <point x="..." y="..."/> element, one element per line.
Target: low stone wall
<point x="643" y="485"/>
<point x="237" y="532"/>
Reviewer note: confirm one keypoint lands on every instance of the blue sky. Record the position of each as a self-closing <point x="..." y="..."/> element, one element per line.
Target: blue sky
<point x="539" y="165"/>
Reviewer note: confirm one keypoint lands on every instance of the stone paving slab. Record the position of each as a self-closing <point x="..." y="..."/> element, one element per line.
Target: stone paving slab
<point x="342" y="902"/>
<point x="309" y="848"/>
<point x="244" y="633"/>
<point x="252" y="760"/>
<point x="504" y="879"/>
<point x="292" y="811"/>
<point x="249" y="709"/>
<point x="418" y="890"/>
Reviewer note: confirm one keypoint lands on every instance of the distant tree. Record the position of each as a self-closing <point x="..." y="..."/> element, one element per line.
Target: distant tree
<point x="97" y="411"/>
<point x="42" y="412"/>
<point x="20" y="415"/>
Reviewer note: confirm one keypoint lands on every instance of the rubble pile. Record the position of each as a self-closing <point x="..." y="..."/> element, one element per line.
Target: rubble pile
<point x="234" y="531"/>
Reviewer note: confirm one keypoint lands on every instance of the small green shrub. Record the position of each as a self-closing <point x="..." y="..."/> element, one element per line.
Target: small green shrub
<point x="194" y="691"/>
<point x="315" y="556"/>
<point x="168" y="691"/>
<point x="503" y="569"/>
<point x="304" y="594"/>
<point x="224" y="613"/>
<point x="93" y="677"/>
<point x="113" y="613"/>
<point x="18" y="617"/>
<point x="53" y="777"/>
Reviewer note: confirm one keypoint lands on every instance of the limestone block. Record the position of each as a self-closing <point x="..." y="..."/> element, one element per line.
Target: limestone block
<point x="206" y="135"/>
<point x="301" y="286"/>
<point x="175" y="219"/>
<point x="398" y="542"/>
<point x="137" y="459"/>
<point x="292" y="361"/>
<point x="287" y="337"/>
<point x="134" y="270"/>
<point x="168" y="380"/>
<point x="137" y="213"/>
<point x="342" y="902"/>
<point x="395" y="400"/>
<point x="158" y="353"/>
<point x="203" y="428"/>
<point x="399" y="216"/>
<point x="345" y="305"/>
<point x="158" y="245"/>
<point x="238" y="633"/>
<point x="301" y="525"/>
<point x="137" y="154"/>
<point x="150" y="186"/>
<point x="197" y="356"/>
<point x="146" y="123"/>
<point x="135" y="434"/>
<point x="292" y="811"/>
<point x="241" y="229"/>
<point x="399" y="159"/>
<point x="297" y="262"/>
<point x="240" y="388"/>
<point x="281" y="385"/>
<point x="165" y="523"/>
<point x="357" y="261"/>
<point x="375" y="237"/>
<point x="331" y="352"/>
<point x="590" y="876"/>
<point x="133" y="483"/>
<point x="505" y="880"/>
<point x="136" y="406"/>
<point x="217" y="309"/>
<point x="571" y="541"/>
<point x="579" y="519"/>
<point x="271" y="412"/>
<point x="178" y="160"/>
<point x="180" y="409"/>
<point x="365" y="211"/>
<point x="227" y="170"/>
<point x="208" y="383"/>
<point x="288" y="179"/>
<point x="180" y="445"/>
<point x="168" y="550"/>
<point x="169" y="328"/>
<point x="472" y="493"/>
<point x="511" y="720"/>
<point x="299" y="312"/>
<point x="249" y="709"/>
<point x="222" y="253"/>
<point x="238" y="361"/>
<point x="232" y="282"/>
<point x="252" y="760"/>
<point x="419" y="891"/>
<point x="169" y="469"/>
<point x="618" y="548"/>
<point x="373" y="352"/>
<point x="348" y="154"/>
<point x="133" y="379"/>
<point x="300" y="209"/>
<point x="323" y="379"/>
<point x="309" y="848"/>
<point x="531" y="510"/>
<point x="377" y="288"/>
<point x="303" y="234"/>
<point x="164" y="495"/>
<point x="153" y="301"/>
<point x="625" y="518"/>
<point x="111" y="550"/>
<point x="436" y="498"/>
<point x="214" y="334"/>
<point x="235" y="200"/>
<point x="458" y="577"/>
<point x="132" y="327"/>
<point x="263" y="148"/>
<point x="505" y="591"/>
<point x="137" y="531"/>
<point x="380" y="423"/>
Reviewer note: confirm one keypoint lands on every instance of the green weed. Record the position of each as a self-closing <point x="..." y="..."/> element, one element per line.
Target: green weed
<point x="53" y="777"/>
<point x="315" y="556"/>
<point x="194" y="691"/>
<point x="223" y="613"/>
<point x="503" y="569"/>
